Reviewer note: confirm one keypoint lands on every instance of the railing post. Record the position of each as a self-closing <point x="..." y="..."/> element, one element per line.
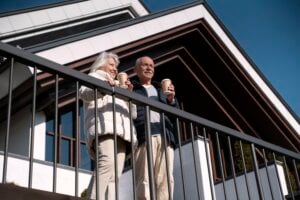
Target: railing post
<point x="232" y="167"/>
<point x="277" y="174"/>
<point x="257" y="175"/>
<point x="55" y="134"/>
<point x="165" y="145"/>
<point x="221" y="166"/>
<point x="245" y="169"/>
<point x="267" y="172"/>
<point x="77" y="139"/>
<point x="149" y="154"/>
<point x="96" y="144"/>
<point x="10" y="85"/>
<point x="31" y="146"/>
<point x="132" y="152"/>
<point x="180" y="157"/>
<point x="199" y="184"/>
<point x="208" y="166"/>
<point x="115" y="146"/>
<point x="288" y="177"/>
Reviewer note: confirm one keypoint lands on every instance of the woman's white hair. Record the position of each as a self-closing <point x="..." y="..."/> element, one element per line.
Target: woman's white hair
<point x="102" y="60"/>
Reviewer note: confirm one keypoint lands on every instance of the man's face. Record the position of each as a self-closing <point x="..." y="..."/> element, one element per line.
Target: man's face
<point x="145" y="71"/>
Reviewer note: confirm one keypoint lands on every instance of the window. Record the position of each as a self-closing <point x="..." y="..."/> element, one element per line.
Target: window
<point x="66" y="142"/>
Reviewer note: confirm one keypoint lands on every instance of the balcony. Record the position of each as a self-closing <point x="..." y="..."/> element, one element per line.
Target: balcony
<point x="211" y="162"/>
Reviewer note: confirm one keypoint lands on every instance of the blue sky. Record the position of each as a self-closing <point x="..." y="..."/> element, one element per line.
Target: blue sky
<point x="269" y="32"/>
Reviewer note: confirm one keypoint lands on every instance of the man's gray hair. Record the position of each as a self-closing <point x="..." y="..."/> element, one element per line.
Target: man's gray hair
<point x="102" y="60"/>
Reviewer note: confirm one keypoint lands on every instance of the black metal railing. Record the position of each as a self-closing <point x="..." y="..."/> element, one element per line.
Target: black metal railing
<point x="237" y="165"/>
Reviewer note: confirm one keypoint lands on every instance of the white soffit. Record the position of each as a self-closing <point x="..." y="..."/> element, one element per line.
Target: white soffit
<point x="19" y="23"/>
<point x="144" y="29"/>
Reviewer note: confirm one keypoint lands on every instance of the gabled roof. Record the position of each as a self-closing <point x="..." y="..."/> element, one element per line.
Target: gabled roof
<point x="143" y="27"/>
<point x="191" y="46"/>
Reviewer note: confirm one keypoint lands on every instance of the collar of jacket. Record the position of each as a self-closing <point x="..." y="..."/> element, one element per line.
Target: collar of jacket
<point x="156" y="84"/>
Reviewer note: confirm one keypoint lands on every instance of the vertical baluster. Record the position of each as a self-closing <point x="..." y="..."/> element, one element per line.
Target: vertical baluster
<point x="268" y="175"/>
<point x="232" y="167"/>
<point x="115" y="146"/>
<point x="245" y="169"/>
<point x="208" y="165"/>
<point x="199" y="188"/>
<point x="221" y="166"/>
<point x="10" y="85"/>
<point x="132" y="152"/>
<point x="96" y="144"/>
<point x="277" y="174"/>
<point x="77" y="139"/>
<point x="55" y="135"/>
<point x="31" y="146"/>
<point x="296" y="173"/>
<point x="180" y="157"/>
<point x="288" y="177"/>
<point x="256" y="171"/>
<point x="149" y="154"/>
<point x="165" y="145"/>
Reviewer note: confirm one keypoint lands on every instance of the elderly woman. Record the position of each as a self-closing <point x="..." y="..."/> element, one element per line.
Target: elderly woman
<point x="105" y="69"/>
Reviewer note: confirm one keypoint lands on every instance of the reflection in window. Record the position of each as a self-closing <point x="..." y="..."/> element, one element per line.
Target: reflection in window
<point x="82" y="133"/>
<point x="66" y="153"/>
<point x="85" y="158"/>
<point x="49" y="148"/>
<point x="67" y="124"/>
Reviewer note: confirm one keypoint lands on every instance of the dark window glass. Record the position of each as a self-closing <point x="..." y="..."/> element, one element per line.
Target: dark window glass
<point x="67" y="124"/>
<point x="65" y="152"/>
<point x="81" y="124"/>
<point x="67" y="140"/>
<point x="50" y="126"/>
<point x="49" y="148"/>
<point x="85" y="161"/>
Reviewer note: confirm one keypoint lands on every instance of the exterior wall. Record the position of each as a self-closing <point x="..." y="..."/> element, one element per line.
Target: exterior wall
<point x="20" y="132"/>
<point x="188" y="171"/>
<point x="18" y="170"/>
<point x="20" y="74"/>
<point x="253" y="190"/>
<point x="203" y="172"/>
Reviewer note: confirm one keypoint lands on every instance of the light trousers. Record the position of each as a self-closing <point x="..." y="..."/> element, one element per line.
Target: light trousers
<point x="159" y="170"/>
<point x="106" y="166"/>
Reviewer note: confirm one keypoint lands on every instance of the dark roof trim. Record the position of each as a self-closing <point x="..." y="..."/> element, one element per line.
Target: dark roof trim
<point x="5" y="14"/>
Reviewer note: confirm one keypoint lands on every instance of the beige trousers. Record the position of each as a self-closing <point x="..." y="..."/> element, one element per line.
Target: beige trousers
<point x="106" y="166"/>
<point x="159" y="168"/>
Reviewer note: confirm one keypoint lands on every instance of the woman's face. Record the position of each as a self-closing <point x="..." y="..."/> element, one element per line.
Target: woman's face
<point x="111" y="68"/>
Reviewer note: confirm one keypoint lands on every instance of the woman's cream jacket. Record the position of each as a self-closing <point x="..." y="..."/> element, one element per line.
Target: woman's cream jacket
<point x="105" y="114"/>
